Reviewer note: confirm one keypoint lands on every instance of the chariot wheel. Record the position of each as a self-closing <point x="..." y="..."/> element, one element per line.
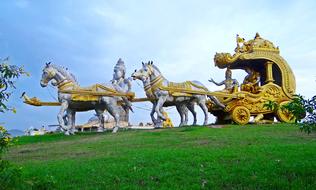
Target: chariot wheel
<point x="241" y="115"/>
<point x="283" y="115"/>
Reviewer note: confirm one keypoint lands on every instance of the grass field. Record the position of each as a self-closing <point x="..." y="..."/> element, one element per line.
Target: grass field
<point x="234" y="157"/>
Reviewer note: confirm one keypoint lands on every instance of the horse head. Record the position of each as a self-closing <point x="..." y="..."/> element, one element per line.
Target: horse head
<point x="48" y="74"/>
<point x="56" y="75"/>
<point x="147" y="71"/>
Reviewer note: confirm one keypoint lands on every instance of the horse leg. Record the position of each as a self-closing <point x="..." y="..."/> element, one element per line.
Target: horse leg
<point x="152" y="113"/>
<point x="181" y="114"/>
<point x="217" y="102"/>
<point x="203" y="106"/>
<point x="190" y="106"/>
<point x="74" y="121"/>
<point x="100" y="115"/>
<point x="159" y="106"/>
<point x="60" y="116"/>
<point x="70" y="115"/>
<point x="113" y="110"/>
<point x="186" y="116"/>
<point x="157" y="122"/>
<point x="65" y="118"/>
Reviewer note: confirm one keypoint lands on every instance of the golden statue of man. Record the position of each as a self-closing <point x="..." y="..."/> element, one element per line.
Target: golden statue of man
<point x="231" y="85"/>
<point x="251" y="81"/>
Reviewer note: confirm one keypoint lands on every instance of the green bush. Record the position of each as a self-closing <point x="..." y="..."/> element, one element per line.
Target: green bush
<point x="5" y="140"/>
<point x="303" y="111"/>
<point x="309" y="122"/>
<point x="10" y="175"/>
<point x="297" y="107"/>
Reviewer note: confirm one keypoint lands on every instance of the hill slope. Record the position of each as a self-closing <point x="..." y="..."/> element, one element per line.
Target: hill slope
<point x="262" y="157"/>
<point x="15" y="132"/>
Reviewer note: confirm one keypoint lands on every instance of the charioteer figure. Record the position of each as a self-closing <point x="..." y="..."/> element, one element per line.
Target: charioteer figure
<point x="231" y="85"/>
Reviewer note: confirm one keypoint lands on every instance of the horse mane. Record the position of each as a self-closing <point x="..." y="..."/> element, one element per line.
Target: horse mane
<point x="65" y="72"/>
<point x="155" y="67"/>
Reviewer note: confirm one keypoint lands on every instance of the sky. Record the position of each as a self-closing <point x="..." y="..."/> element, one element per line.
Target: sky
<point x="180" y="36"/>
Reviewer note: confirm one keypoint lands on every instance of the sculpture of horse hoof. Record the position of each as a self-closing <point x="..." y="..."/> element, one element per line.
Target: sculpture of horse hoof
<point x="158" y="125"/>
<point x="182" y="124"/>
<point x="115" y="129"/>
<point x="71" y="132"/>
<point x="67" y="133"/>
<point x="100" y="130"/>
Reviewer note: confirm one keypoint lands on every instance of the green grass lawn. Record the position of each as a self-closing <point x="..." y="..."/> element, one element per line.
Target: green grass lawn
<point x="234" y="157"/>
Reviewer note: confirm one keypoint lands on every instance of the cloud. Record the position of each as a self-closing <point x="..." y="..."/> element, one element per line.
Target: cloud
<point x="181" y="37"/>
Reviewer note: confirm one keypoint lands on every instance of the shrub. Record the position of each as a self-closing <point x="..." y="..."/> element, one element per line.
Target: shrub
<point x="10" y="175"/>
<point x="303" y="111"/>
<point x="308" y="124"/>
<point x="297" y="107"/>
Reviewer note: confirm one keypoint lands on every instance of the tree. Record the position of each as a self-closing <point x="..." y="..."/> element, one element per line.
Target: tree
<point x="9" y="174"/>
<point x="302" y="110"/>
<point x="8" y="75"/>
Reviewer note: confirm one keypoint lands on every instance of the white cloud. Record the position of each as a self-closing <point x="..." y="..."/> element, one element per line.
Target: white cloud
<point x="181" y="37"/>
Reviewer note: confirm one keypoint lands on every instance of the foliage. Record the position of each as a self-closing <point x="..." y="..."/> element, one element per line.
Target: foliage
<point x="297" y="107"/>
<point x="302" y="110"/>
<point x="5" y="140"/>
<point x="8" y="74"/>
<point x="271" y="105"/>
<point x="10" y="175"/>
<point x="233" y="157"/>
<point x="308" y="124"/>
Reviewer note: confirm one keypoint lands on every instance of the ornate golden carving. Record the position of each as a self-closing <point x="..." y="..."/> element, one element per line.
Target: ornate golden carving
<point x="240" y="115"/>
<point x="284" y="115"/>
<point x="278" y="82"/>
<point x="260" y="49"/>
<point x="37" y="102"/>
<point x="167" y="122"/>
<point x="91" y="93"/>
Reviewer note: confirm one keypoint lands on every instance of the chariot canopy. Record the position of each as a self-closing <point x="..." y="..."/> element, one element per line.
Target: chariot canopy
<point x="263" y="57"/>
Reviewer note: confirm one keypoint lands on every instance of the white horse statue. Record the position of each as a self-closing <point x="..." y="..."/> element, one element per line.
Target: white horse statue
<point x="72" y="103"/>
<point x="164" y="92"/>
<point x="181" y="106"/>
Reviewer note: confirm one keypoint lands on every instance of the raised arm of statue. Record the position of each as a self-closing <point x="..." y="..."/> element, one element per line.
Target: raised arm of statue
<point x="217" y="84"/>
<point x="129" y="84"/>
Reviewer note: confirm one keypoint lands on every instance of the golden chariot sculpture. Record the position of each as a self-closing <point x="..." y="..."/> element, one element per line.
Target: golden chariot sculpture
<point x="269" y="78"/>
